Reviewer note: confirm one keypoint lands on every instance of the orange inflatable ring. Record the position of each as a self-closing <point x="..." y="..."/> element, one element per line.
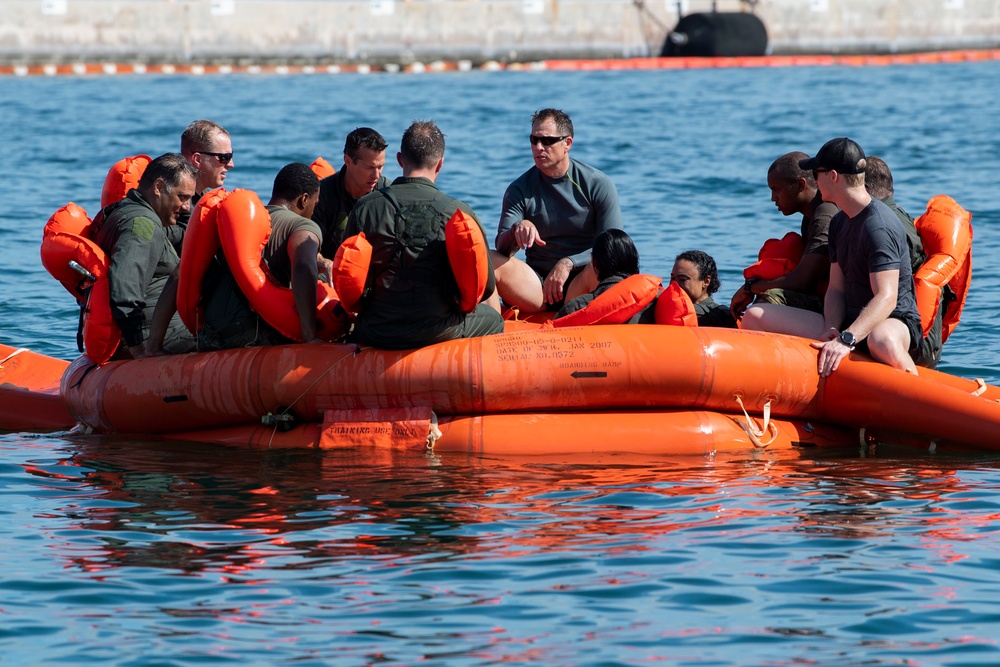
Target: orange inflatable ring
<point x="122" y="177"/>
<point x="350" y="271"/>
<point x="322" y="168"/>
<point x="469" y="257"/>
<point x="776" y="257"/>
<point x="244" y="227"/>
<point x="200" y="247"/>
<point x="946" y="232"/>
<point x="616" y="305"/>
<point x="675" y="307"/>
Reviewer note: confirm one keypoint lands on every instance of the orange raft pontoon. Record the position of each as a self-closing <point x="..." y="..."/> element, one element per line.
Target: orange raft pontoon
<point x="638" y="388"/>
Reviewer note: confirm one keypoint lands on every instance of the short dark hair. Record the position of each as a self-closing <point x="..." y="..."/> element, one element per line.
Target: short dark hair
<point x="422" y="145"/>
<point x="171" y="167"/>
<point x="363" y="137"/>
<point x="198" y="136"/>
<point x="293" y="180"/>
<point x="558" y="116"/>
<point x="787" y="168"/>
<point x="615" y="253"/>
<point x="878" y="178"/>
<point x="706" y="267"/>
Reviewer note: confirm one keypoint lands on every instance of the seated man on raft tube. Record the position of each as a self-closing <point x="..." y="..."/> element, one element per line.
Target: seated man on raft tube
<point x="870" y="301"/>
<point x="133" y="233"/>
<point x="794" y="191"/>
<point x="554" y="212"/>
<point x="290" y="255"/>
<point x="412" y="295"/>
<point x="364" y="160"/>
<point x="207" y="146"/>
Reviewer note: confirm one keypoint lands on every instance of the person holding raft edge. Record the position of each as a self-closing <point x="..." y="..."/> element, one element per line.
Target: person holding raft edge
<point x="870" y="301"/>
<point x="554" y="212"/>
<point x="411" y="299"/>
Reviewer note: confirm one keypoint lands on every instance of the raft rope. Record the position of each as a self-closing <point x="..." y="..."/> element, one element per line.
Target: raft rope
<point x="980" y="384"/>
<point x="281" y="417"/>
<point x="13" y="354"/>
<point x="754" y="432"/>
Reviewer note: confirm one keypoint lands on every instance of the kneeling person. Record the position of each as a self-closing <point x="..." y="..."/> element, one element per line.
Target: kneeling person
<point x="412" y="296"/>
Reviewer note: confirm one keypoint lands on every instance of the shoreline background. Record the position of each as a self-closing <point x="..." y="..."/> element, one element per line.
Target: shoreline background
<point x="403" y="32"/>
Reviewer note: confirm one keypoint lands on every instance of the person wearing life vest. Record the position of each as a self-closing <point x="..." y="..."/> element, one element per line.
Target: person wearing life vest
<point x="878" y="183"/>
<point x="132" y="233"/>
<point x="364" y="160"/>
<point x="696" y="273"/>
<point x="614" y="258"/>
<point x="793" y="191"/>
<point x="553" y="212"/>
<point x="412" y="299"/>
<point x="208" y="146"/>
<point x="870" y="301"/>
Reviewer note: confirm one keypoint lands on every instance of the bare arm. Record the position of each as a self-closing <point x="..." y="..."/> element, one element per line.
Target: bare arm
<point x="303" y="247"/>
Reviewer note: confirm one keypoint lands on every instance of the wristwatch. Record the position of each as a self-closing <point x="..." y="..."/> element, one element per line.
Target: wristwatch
<point x="748" y="285"/>
<point x="847" y="338"/>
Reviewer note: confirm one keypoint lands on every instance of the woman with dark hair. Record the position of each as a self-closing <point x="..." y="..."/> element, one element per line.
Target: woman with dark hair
<point x="695" y="272"/>
<point x="614" y="259"/>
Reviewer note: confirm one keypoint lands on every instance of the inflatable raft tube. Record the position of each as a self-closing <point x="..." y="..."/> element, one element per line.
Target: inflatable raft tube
<point x="29" y="392"/>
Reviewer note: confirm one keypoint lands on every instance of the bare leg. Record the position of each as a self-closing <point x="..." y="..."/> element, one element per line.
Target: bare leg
<point x="517" y="283"/>
<point x="784" y="319"/>
<point x="888" y="342"/>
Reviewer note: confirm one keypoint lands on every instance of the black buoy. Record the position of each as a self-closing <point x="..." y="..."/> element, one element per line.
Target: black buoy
<point x="715" y="34"/>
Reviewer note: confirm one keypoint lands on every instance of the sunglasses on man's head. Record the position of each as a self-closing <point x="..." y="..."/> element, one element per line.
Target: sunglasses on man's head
<point x="544" y="140"/>
<point x="224" y="158"/>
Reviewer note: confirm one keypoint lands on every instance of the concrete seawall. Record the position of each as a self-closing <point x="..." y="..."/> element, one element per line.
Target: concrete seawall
<point x="404" y="31"/>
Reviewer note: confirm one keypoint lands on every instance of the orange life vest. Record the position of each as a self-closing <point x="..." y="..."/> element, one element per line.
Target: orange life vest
<point x="122" y="177"/>
<point x="201" y="243"/>
<point x="617" y="304"/>
<point x="946" y="232"/>
<point x="776" y="257"/>
<point x="469" y="257"/>
<point x="322" y="168"/>
<point x="350" y="271"/>
<point x="674" y="307"/>
<point x="244" y="227"/>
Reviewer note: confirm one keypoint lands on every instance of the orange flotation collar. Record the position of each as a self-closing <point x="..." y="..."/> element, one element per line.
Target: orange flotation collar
<point x="350" y="271"/>
<point x="469" y="257"/>
<point x="674" y="307"/>
<point x="616" y="305"/>
<point x="322" y="168"/>
<point x="776" y="257"/>
<point x="946" y="232"/>
<point x="244" y="228"/>
<point x="123" y="176"/>
<point x="201" y="244"/>
<point x="65" y="239"/>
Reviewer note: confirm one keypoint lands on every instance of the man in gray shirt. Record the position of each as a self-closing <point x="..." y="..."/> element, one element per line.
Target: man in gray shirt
<point x="553" y="212"/>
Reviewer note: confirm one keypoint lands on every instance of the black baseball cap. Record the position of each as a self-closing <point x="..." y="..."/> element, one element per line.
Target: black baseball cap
<point x="841" y="155"/>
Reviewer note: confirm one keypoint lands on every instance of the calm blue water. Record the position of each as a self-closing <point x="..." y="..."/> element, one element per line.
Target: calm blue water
<point x="140" y="553"/>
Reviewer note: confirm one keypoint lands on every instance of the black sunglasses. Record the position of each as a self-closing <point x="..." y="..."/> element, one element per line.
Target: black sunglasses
<point x="543" y="140"/>
<point x="224" y="158"/>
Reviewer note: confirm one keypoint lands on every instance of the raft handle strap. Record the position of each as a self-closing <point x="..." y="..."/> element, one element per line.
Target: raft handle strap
<point x="13" y="354"/>
<point x="754" y="432"/>
<point x="980" y="387"/>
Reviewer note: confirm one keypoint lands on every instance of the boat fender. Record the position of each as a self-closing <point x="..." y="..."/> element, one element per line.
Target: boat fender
<point x="675" y="307"/>
<point x="122" y="177"/>
<point x="350" y="271"/>
<point x="469" y="257"/>
<point x="776" y="257"/>
<point x="946" y="233"/>
<point x="244" y="227"/>
<point x="201" y="245"/>
<point x="322" y="168"/>
<point x="616" y="305"/>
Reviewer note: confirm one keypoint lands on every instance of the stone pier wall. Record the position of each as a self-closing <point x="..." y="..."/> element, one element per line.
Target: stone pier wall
<point x="403" y="31"/>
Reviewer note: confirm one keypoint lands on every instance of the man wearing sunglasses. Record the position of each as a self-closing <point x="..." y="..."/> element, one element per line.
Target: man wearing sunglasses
<point x="870" y="301"/>
<point x="553" y="212"/>
<point x="364" y="159"/>
<point x="208" y="146"/>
